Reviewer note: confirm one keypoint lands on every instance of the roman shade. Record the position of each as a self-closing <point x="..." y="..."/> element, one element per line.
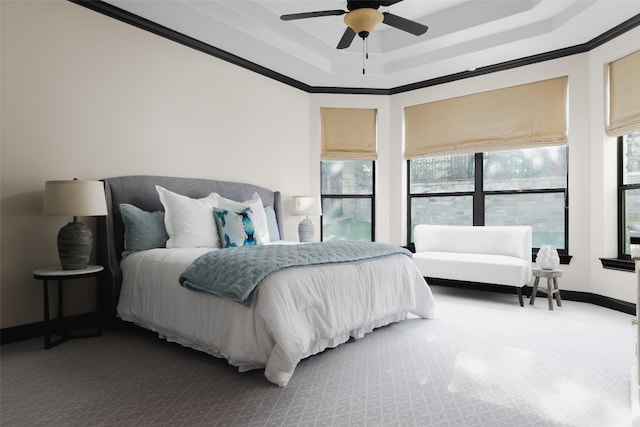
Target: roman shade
<point x="528" y="115"/>
<point x="624" y="95"/>
<point x="348" y="134"/>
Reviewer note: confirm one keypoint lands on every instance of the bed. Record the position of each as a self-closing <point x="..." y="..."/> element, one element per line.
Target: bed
<point x="294" y="313"/>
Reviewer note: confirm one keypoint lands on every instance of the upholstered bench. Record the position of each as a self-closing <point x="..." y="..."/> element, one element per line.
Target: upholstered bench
<point x="499" y="255"/>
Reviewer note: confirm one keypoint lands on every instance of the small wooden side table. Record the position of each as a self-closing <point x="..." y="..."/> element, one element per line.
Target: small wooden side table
<point x="550" y="275"/>
<point x="57" y="273"/>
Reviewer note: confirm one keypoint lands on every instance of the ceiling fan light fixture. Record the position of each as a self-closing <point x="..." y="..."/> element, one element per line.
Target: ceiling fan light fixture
<point x="363" y="20"/>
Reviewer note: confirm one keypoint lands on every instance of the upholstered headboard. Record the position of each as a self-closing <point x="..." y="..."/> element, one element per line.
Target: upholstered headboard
<point x="139" y="190"/>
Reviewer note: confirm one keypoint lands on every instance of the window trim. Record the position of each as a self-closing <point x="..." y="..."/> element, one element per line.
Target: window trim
<point x="620" y="197"/>
<point x="622" y="188"/>
<point x="622" y="262"/>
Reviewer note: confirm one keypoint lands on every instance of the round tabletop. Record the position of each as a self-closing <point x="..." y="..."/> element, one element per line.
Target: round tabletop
<point x="56" y="272"/>
<point x="547" y="272"/>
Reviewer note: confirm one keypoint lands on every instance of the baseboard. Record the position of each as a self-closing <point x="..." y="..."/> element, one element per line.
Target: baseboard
<point x="599" y="300"/>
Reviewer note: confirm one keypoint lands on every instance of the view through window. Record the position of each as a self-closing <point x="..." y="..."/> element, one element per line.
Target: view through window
<point x="348" y="200"/>
<point x="513" y="187"/>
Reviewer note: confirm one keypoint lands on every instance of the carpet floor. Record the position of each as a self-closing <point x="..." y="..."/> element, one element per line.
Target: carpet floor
<point x="483" y="361"/>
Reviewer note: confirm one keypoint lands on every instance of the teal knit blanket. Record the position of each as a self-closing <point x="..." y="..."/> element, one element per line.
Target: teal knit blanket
<point x="235" y="273"/>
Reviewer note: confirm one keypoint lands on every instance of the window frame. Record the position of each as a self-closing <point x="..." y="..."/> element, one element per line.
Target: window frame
<point x="371" y="197"/>
<point x="479" y="195"/>
<point x="622" y="188"/>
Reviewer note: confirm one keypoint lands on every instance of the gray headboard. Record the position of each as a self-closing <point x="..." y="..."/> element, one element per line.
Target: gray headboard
<point x="139" y="190"/>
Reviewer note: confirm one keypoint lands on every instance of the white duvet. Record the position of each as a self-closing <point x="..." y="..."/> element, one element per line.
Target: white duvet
<point x="297" y="312"/>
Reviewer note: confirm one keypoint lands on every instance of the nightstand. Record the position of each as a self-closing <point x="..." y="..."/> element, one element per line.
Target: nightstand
<point x="60" y="275"/>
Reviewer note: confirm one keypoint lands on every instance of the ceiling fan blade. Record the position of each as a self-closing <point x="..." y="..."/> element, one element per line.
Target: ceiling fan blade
<point x="292" y="16"/>
<point x="387" y="3"/>
<point x="404" y="24"/>
<point x="370" y="4"/>
<point x="346" y="39"/>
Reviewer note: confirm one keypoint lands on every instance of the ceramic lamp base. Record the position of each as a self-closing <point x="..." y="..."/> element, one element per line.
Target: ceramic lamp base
<point x="306" y="230"/>
<point x="74" y="246"/>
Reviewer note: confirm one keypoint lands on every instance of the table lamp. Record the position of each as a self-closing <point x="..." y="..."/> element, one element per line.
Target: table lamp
<point x="306" y="206"/>
<point x="74" y="198"/>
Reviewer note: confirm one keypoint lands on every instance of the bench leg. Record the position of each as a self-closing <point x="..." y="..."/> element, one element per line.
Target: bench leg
<point x="519" y="290"/>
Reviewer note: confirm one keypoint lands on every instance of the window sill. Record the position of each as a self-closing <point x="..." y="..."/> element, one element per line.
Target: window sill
<point x="564" y="259"/>
<point x="618" y="264"/>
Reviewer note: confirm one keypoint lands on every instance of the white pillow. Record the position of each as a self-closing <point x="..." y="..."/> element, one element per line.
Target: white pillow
<point x="189" y="222"/>
<point x="256" y="206"/>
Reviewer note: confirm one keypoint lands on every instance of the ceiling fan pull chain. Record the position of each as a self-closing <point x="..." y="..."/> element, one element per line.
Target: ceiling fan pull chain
<point x="363" y="55"/>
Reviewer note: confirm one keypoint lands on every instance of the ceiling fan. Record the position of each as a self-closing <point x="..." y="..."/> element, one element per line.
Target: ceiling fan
<point x="362" y="17"/>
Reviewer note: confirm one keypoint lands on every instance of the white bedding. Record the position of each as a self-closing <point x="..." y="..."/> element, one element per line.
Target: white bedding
<point x="297" y="312"/>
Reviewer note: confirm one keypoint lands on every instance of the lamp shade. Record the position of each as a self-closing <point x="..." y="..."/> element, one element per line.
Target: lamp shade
<point x="306" y="206"/>
<point x="74" y="198"/>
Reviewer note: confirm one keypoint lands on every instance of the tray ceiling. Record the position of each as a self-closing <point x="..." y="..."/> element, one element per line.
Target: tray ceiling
<point x="463" y="35"/>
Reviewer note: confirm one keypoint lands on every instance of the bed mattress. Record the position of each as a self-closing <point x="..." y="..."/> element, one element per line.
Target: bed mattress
<point x="297" y="312"/>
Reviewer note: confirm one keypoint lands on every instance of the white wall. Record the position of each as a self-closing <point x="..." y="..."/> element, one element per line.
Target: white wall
<point x="86" y="96"/>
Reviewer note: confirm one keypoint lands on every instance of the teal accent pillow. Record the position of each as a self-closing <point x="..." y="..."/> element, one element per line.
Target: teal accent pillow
<point x="272" y="223"/>
<point x="142" y="230"/>
<point x="235" y="228"/>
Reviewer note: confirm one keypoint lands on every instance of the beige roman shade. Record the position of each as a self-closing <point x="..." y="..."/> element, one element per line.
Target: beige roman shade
<point x="527" y="115"/>
<point x="624" y="95"/>
<point x="348" y="134"/>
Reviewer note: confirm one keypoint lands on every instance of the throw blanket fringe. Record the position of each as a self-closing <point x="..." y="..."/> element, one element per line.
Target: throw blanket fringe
<point x="235" y="273"/>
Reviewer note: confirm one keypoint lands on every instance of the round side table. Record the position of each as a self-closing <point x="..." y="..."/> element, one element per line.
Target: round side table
<point x="57" y="273"/>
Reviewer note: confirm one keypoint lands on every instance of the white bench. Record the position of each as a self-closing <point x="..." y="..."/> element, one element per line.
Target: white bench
<point x="499" y="255"/>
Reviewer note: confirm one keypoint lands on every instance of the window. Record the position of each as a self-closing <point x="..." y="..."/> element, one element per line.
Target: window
<point x="441" y="190"/>
<point x="514" y="187"/>
<point x="628" y="191"/>
<point x="348" y="200"/>
<point x="348" y="153"/>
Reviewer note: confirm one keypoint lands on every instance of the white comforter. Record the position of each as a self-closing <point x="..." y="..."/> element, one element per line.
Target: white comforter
<point x="297" y="312"/>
